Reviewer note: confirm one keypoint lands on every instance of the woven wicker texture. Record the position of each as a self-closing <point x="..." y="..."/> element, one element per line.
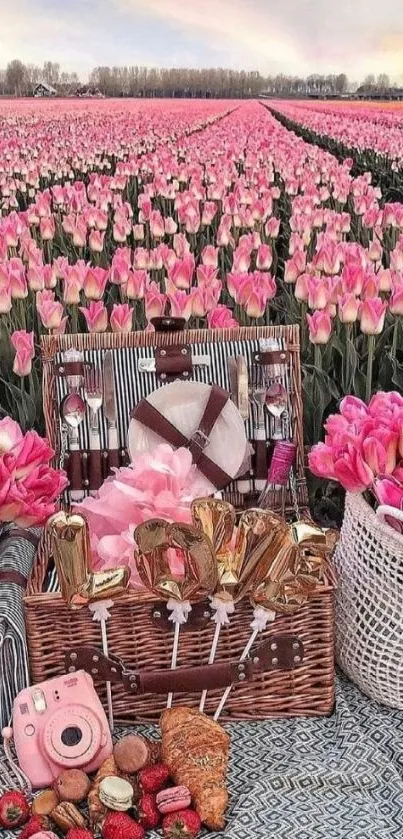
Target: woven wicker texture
<point x="133" y="636"/>
<point x="369" y="603"/>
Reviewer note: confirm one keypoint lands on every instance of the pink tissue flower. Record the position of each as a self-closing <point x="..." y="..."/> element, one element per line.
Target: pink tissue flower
<point x="158" y="484"/>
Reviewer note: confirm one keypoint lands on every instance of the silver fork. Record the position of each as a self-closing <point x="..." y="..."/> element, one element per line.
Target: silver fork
<point x="93" y="398"/>
<point x="258" y="397"/>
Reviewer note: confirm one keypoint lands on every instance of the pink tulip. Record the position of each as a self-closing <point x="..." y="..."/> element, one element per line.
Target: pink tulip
<point x="23" y="343"/>
<point x="73" y="284"/>
<point x="80" y="233"/>
<point x="154" y="301"/>
<point x="141" y="260"/>
<point x="121" y="230"/>
<point x="206" y="275"/>
<point x="320" y="327"/>
<point x="241" y="260"/>
<point x="348" y="306"/>
<point x="136" y="285"/>
<point x="180" y="304"/>
<point x="352" y="472"/>
<point x="264" y="259"/>
<point x="389" y="491"/>
<point x="294" y="267"/>
<point x="321" y="461"/>
<point x="210" y="256"/>
<point x="375" y="251"/>
<point x="5" y="300"/>
<point x="170" y="226"/>
<point x="318" y="292"/>
<point x="380" y="452"/>
<point x="157" y="228"/>
<point x="372" y="315"/>
<point x="49" y="309"/>
<point x="138" y="232"/>
<point x="47" y="229"/>
<point x="204" y="299"/>
<point x="301" y="288"/>
<point x="272" y="227"/>
<point x="96" y="241"/>
<point x="35" y="277"/>
<point x="221" y="318"/>
<point x="10" y="435"/>
<point x="121" y="319"/>
<point x="120" y="267"/>
<point x="370" y="286"/>
<point x="209" y="212"/>
<point x="96" y="316"/>
<point x="95" y="283"/>
<point x="181" y="245"/>
<point x="17" y="279"/>
<point x="181" y="274"/>
<point x="396" y="302"/>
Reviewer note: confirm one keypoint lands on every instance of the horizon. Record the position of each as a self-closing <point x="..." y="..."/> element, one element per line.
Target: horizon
<point x="271" y="36"/>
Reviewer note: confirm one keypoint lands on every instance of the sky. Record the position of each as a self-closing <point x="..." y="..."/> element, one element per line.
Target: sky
<point x="274" y="36"/>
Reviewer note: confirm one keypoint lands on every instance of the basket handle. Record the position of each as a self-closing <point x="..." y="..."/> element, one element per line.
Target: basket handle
<point x="385" y="512"/>
<point x="279" y="652"/>
<point x="40" y="565"/>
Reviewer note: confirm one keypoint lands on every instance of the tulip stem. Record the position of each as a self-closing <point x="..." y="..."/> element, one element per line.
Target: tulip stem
<point x="318" y="356"/>
<point x="395" y="336"/>
<point x="371" y="348"/>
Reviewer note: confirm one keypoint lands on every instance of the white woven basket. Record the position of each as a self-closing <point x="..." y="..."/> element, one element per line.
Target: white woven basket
<point x="369" y="603"/>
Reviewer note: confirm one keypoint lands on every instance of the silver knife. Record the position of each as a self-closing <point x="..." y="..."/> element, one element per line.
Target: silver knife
<point x="110" y="412"/>
<point x="147" y="365"/>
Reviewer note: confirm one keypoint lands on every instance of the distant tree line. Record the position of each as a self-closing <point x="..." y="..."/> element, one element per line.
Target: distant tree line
<point x="19" y="79"/>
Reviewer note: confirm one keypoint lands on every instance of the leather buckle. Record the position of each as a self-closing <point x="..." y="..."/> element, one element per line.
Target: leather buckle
<point x="199" y="439"/>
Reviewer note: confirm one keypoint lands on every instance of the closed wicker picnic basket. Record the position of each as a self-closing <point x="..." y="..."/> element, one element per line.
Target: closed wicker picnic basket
<point x="137" y="632"/>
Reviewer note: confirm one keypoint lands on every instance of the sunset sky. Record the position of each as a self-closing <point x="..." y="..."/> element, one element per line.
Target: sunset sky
<point x="290" y="36"/>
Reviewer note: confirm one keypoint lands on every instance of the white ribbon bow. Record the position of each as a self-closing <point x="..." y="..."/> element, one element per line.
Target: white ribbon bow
<point x="100" y="610"/>
<point x="261" y="618"/>
<point x="179" y="609"/>
<point x="222" y="610"/>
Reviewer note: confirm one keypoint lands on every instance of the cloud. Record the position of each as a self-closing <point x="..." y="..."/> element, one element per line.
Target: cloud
<point x="289" y="36"/>
<point x="241" y="29"/>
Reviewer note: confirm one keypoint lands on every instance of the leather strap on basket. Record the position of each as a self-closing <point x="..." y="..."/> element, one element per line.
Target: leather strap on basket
<point x="279" y="652"/>
<point x="156" y="422"/>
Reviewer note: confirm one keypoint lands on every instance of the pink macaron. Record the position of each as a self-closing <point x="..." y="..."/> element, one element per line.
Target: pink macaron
<point x="171" y="800"/>
<point x="44" y="834"/>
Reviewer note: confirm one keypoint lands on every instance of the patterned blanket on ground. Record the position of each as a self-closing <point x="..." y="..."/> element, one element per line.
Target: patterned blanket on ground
<point x="336" y="778"/>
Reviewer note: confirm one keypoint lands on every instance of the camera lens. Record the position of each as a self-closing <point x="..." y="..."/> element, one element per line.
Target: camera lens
<point x="71" y="736"/>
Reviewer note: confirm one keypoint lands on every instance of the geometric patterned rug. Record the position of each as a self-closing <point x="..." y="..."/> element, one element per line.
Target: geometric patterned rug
<point x="334" y="778"/>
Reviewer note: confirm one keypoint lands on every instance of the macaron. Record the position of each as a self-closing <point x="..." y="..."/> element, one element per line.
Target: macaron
<point x="116" y="794"/>
<point x="44" y="834"/>
<point x="173" y="799"/>
<point x="131" y="754"/>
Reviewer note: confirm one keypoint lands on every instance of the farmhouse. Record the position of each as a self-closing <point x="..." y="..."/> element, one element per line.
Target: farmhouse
<point x="44" y="89"/>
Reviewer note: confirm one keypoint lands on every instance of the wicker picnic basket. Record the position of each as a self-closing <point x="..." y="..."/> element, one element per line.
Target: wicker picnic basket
<point x="137" y="631"/>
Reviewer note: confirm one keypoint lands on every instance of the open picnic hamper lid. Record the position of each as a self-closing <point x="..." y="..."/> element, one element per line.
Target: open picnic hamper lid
<point x="131" y="351"/>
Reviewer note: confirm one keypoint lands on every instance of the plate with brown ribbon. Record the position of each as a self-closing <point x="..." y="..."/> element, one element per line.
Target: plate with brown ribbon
<point x="196" y="416"/>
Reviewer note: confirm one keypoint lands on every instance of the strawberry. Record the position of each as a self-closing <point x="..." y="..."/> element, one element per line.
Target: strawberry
<point x="14" y="809"/>
<point x="35" y="825"/>
<point x="185" y="824"/>
<point x="79" y="833"/>
<point x="149" y="815"/>
<point x="121" y="826"/>
<point x="154" y="778"/>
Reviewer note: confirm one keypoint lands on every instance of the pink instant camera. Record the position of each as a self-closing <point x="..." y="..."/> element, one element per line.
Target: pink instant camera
<point x="60" y="724"/>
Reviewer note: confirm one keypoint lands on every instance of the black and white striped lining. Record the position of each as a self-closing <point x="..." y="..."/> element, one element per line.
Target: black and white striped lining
<point x="132" y="386"/>
<point x="17" y="555"/>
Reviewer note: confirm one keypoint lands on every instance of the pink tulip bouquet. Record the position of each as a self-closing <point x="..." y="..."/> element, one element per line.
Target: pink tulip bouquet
<point x="363" y="448"/>
<point x="29" y="487"/>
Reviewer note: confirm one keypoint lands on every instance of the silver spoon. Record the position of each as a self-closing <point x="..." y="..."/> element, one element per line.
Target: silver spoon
<point x="72" y="410"/>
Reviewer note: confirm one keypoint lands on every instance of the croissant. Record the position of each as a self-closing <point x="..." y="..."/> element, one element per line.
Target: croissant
<point x="196" y="751"/>
<point x="96" y="809"/>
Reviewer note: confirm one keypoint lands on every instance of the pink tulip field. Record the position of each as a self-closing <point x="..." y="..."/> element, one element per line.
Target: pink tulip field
<point x="223" y="213"/>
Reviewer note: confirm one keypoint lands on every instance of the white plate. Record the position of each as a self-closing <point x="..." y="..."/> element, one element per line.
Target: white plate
<point x="183" y="404"/>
